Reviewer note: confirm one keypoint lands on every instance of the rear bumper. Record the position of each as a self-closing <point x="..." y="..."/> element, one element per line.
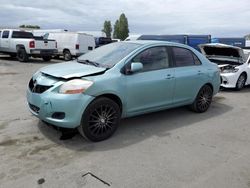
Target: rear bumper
<point x="43" y="52"/>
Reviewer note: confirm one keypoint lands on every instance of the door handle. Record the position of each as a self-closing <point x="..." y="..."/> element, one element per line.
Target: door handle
<point x="169" y="76"/>
<point x="200" y="72"/>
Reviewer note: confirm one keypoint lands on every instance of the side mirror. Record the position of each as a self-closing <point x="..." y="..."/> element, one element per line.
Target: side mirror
<point x="136" y="67"/>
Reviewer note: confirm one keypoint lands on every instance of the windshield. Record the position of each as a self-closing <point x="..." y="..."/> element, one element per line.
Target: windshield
<point x="110" y="54"/>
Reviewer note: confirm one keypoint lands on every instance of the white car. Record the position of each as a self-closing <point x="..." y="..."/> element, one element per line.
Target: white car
<point x="233" y="63"/>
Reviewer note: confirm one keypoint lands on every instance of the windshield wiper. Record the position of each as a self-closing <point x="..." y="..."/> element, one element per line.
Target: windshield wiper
<point x="88" y="62"/>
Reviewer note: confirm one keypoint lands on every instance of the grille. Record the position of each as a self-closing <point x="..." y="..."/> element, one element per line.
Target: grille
<point x="36" y="88"/>
<point x="34" y="108"/>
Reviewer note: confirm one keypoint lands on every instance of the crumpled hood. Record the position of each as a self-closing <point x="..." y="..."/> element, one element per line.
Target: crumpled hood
<point x="70" y="69"/>
<point x="222" y="51"/>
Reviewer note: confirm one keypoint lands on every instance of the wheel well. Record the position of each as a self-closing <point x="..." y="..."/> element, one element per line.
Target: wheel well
<point x="64" y="50"/>
<point x="19" y="47"/>
<point x="244" y="74"/>
<point x="114" y="98"/>
<point x="210" y="85"/>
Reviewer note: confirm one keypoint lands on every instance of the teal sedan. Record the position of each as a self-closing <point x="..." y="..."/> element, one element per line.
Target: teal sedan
<point x="119" y="80"/>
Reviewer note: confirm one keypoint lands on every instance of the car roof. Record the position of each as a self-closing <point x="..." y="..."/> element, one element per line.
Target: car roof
<point x="156" y="42"/>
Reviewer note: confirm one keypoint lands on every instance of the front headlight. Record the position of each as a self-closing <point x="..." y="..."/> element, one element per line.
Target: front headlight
<point x="230" y="70"/>
<point x="75" y="86"/>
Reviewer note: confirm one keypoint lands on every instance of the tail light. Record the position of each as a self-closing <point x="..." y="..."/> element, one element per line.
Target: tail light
<point x="32" y="44"/>
<point x="77" y="46"/>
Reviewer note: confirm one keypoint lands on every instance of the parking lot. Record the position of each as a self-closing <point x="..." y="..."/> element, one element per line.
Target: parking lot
<point x="172" y="148"/>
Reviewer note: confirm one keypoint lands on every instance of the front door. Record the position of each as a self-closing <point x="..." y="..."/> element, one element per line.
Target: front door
<point x="152" y="88"/>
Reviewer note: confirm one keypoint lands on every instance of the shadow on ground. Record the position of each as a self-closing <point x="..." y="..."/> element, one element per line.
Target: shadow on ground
<point x="31" y="60"/>
<point x="136" y="129"/>
<point x="246" y="89"/>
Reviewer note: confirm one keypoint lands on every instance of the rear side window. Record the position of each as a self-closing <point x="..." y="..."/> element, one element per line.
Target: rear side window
<point x="5" y="34"/>
<point x="22" y="34"/>
<point x="184" y="57"/>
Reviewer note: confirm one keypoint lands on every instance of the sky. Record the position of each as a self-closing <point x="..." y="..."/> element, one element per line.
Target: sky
<point x="220" y="18"/>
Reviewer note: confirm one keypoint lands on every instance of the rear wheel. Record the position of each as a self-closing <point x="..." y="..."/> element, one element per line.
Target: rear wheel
<point x="240" y="82"/>
<point x="67" y="55"/>
<point x="203" y="99"/>
<point x="22" y="56"/>
<point x="100" y="120"/>
<point x="47" y="58"/>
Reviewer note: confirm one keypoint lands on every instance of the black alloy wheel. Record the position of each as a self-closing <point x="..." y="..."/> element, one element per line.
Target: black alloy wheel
<point x="203" y="99"/>
<point x="100" y="120"/>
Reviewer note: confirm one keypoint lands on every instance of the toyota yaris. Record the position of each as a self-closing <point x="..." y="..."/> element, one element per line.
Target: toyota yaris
<point x="118" y="80"/>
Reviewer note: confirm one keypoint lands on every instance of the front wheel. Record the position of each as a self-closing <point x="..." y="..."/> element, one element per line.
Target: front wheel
<point x="240" y="82"/>
<point x="100" y="120"/>
<point x="203" y="99"/>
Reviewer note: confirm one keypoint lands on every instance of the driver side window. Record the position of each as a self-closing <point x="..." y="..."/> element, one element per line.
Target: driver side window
<point x="153" y="58"/>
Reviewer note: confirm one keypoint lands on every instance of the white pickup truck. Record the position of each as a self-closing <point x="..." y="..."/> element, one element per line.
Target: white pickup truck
<point x="22" y="44"/>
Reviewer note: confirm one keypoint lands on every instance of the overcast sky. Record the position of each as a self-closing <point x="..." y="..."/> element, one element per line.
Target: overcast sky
<point x="216" y="17"/>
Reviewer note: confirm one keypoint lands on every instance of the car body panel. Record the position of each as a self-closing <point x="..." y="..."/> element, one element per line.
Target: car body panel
<point x="139" y="93"/>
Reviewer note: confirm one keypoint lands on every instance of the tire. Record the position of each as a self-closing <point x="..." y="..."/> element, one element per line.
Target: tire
<point x="67" y="55"/>
<point x="100" y="120"/>
<point x="240" y="82"/>
<point x="47" y="58"/>
<point x="22" y="56"/>
<point x="203" y="99"/>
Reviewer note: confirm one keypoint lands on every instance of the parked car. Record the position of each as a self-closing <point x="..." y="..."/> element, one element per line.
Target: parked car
<point x="100" y="41"/>
<point x="118" y="80"/>
<point x="22" y="44"/>
<point x="72" y="44"/>
<point x="233" y="63"/>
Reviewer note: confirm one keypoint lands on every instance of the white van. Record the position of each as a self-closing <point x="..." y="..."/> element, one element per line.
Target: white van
<point x="72" y="44"/>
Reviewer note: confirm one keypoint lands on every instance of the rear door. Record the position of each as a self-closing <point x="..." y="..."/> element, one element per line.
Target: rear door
<point x="5" y="40"/>
<point x="189" y="75"/>
<point x="152" y="88"/>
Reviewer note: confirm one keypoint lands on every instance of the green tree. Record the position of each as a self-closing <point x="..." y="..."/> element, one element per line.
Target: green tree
<point x="116" y="34"/>
<point x="121" y="30"/>
<point x="107" y="28"/>
<point x="30" y="26"/>
<point x="123" y="27"/>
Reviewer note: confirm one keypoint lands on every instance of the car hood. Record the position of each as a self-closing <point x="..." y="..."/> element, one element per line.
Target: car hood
<point x="222" y="52"/>
<point x="71" y="70"/>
